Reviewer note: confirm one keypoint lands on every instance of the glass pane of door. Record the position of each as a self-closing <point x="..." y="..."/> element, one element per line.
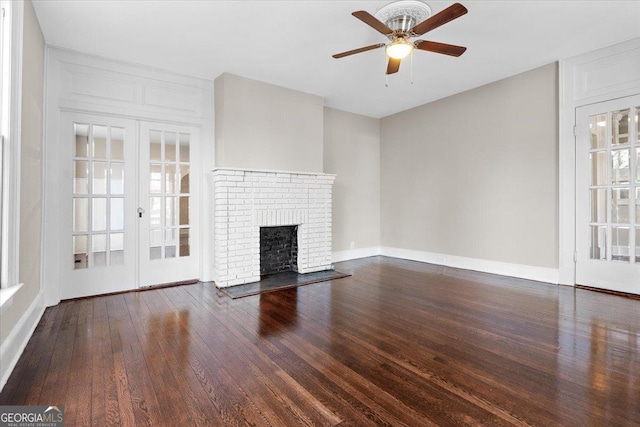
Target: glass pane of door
<point x="169" y="206"/>
<point x="98" y="195"/>
<point x="612" y="223"/>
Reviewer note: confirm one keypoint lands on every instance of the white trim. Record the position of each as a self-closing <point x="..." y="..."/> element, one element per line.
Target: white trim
<point x="11" y="173"/>
<point x="586" y="79"/>
<point x="122" y="89"/>
<point x="540" y="274"/>
<point x="43" y="148"/>
<point x="566" y="179"/>
<point x="347" y="255"/>
<point x="6" y="296"/>
<point x="272" y="171"/>
<point x="207" y="153"/>
<point x="51" y="165"/>
<point x="14" y="344"/>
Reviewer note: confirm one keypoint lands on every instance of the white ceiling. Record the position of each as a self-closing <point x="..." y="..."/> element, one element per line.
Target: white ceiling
<point x="290" y="43"/>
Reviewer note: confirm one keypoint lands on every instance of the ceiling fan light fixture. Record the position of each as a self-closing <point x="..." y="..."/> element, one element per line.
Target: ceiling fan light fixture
<point x="399" y="48"/>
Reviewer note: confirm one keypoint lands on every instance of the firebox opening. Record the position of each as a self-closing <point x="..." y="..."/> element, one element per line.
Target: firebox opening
<point x="278" y="249"/>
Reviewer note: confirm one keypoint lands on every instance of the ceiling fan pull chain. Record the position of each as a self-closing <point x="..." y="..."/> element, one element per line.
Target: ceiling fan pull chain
<point x="386" y="76"/>
<point x="412" y="67"/>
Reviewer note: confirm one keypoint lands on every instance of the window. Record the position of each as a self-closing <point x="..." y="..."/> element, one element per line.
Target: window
<point x="4" y="109"/>
<point x="10" y="70"/>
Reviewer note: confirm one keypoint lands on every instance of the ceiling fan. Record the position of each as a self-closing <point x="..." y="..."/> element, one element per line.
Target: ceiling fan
<point x="399" y="22"/>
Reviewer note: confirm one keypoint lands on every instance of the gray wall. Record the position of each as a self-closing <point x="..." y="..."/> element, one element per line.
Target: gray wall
<point x="263" y="126"/>
<point x="476" y="174"/>
<point x="31" y="171"/>
<point x="352" y="151"/>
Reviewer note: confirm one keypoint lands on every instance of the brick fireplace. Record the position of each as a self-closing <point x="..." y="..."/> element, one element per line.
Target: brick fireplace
<point x="246" y="200"/>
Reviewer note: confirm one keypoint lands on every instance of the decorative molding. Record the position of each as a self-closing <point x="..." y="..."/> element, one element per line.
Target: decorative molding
<point x="91" y="84"/>
<point x="179" y="99"/>
<point x="606" y="76"/>
<point x="418" y="10"/>
<point x="14" y="344"/>
<point x="521" y="271"/>
<point x="350" y="254"/>
<point x="95" y="87"/>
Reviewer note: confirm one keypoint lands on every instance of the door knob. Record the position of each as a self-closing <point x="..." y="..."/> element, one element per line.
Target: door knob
<point x="140" y="212"/>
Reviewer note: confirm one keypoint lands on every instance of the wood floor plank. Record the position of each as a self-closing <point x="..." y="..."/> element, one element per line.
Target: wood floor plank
<point x="26" y="369"/>
<point x="397" y="343"/>
<point x="164" y="375"/>
<point x="228" y="398"/>
<point x="430" y="389"/>
<point x="306" y="411"/>
<point x="78" y="398"/>
<point x="101" y="349"/>
<point x="262" y="392"/>
<point x="120" y="405"/>
<point x="143" y="397"/>
<point x="56" y="383"/>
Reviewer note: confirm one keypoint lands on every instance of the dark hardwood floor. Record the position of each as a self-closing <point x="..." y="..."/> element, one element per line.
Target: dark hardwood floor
<point x="399" y="343"/>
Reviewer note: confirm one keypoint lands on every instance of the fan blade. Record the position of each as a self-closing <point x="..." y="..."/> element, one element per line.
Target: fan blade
<point x="393" y="66"/>
<point x="454" y="11"/>
<point x="446" y="49"/>
<point x="371" y="21"/>
<point x="354" y="51"/>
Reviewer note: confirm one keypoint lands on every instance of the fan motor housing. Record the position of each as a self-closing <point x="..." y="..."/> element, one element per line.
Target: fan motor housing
<point x="401" y="23"/>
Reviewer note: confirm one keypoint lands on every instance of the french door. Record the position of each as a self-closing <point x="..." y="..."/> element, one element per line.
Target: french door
<point x="129" y="208"/>
<point x="608" y="195"/>
<point x="98" y="203"/>
<point x="169" y="211"/>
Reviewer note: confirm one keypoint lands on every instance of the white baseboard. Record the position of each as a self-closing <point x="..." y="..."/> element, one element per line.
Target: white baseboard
<point x="14" y="345"/>
<point x="355" y="253"/>
<point x="540" y="274"/>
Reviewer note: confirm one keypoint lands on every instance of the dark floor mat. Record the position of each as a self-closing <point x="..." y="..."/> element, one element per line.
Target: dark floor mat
<point x="276" y="282"/>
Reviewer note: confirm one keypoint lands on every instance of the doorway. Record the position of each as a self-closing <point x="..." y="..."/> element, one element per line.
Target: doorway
<point x="129" y="204"/>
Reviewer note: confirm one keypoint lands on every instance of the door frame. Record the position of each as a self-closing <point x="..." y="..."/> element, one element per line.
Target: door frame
<point x="594" y="77"/>
<point x="82" y="83"/>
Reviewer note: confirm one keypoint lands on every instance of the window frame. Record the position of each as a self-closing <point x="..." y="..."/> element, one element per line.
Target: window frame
<point x="10" y="127"/>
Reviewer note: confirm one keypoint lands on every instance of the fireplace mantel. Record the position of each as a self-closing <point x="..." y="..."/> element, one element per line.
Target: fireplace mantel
<point x="245" y="200"/>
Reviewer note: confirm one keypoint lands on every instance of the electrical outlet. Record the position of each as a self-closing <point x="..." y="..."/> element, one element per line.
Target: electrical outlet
<point x="353" y="245"/>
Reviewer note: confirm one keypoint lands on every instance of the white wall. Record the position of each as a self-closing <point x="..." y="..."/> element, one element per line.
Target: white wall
<point x="476" y="174"/>
<point x="352" y="152"/>
<point x="263" y="126"/>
